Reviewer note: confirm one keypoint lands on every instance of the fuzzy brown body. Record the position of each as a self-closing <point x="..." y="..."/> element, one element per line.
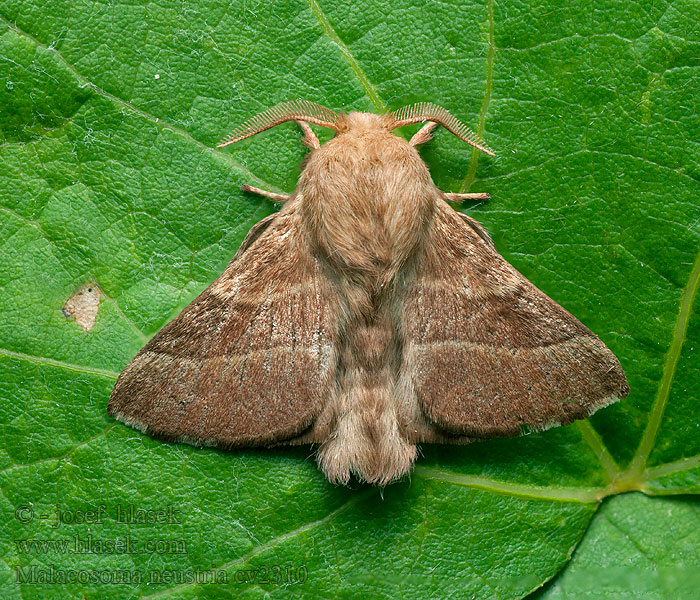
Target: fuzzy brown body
<point x="367" y="198"/>
<point x="366" y="316"/>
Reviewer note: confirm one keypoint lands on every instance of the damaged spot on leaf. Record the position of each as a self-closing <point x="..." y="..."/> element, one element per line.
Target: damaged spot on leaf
<point x="83" y="305"/>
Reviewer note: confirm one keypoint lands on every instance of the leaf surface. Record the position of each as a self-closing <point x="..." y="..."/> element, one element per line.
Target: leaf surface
<point x="109" y="114"/>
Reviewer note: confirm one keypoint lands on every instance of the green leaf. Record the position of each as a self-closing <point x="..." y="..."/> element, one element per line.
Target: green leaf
<point x="109" y="114"/>
<point x="635" y="547"/>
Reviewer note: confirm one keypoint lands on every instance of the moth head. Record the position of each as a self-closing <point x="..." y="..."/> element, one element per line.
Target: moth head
<point x="356" y="121"/>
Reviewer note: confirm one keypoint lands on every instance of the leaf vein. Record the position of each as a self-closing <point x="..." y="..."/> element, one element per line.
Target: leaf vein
<point x="638" y="463"/>
<point x="490" y="56"/>
<point x="275" y="541"/>
<point x="60" y="364"/>
<point x="581" y="495"/>
<point x="160" y="123"/>
<point x="364" y="81"/>
<point x="595" y="443"/>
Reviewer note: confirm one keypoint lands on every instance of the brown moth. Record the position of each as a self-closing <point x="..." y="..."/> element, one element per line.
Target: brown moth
<point x="366" y="316"/>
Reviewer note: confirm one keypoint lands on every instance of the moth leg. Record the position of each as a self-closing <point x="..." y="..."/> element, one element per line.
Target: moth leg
<point x="454" y="197"/>
<point x="272" y="195"/>
<point x="424" y="134"/>
<point x="310" y="140"/>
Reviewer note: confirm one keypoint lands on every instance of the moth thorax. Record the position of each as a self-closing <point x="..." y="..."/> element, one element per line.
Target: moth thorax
<point x="367" y="196"/>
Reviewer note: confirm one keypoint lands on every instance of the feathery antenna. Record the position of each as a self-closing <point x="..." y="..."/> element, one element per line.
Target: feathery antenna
<point x="296" y="110"/>
<point x="427" y="111"/>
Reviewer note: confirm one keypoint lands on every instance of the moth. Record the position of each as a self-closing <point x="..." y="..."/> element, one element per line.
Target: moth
<point x="365" y="317"/>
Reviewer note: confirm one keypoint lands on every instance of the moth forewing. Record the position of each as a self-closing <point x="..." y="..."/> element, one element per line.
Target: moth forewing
<point x="248" y="362"/>
<point x="518" y="361"/>
<point x="367" y="316"/>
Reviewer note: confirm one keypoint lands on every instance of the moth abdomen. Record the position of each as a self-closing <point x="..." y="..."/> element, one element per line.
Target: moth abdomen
<point x="372" y="343"/>
<point x="366" y="437"/>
